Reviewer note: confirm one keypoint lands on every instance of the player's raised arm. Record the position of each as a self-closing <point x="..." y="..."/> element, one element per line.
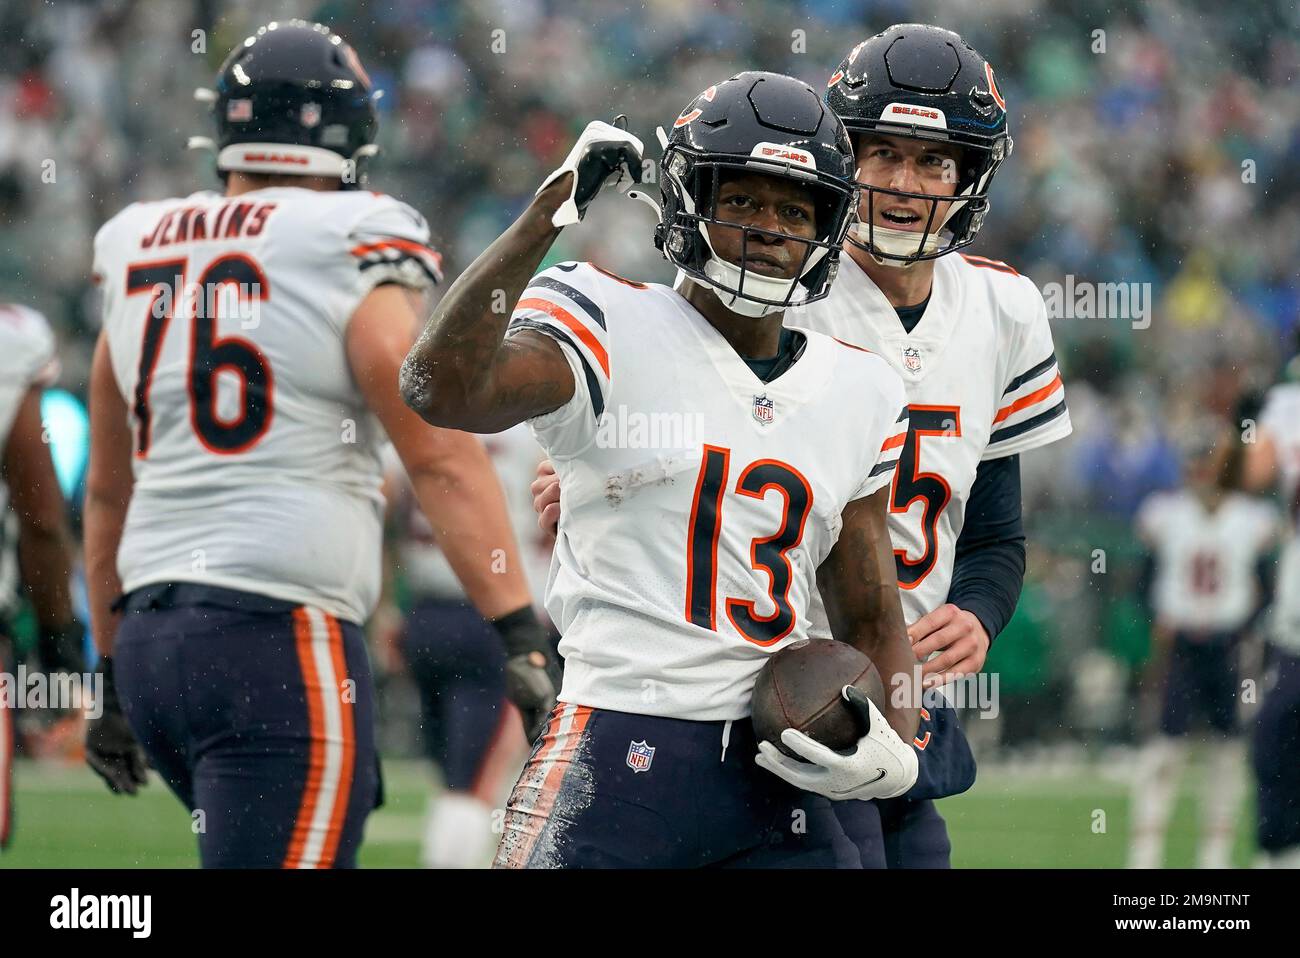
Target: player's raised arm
<point x="859" y="587"/>
<point x="459" y="492"/>
<point x="463" y="373"/>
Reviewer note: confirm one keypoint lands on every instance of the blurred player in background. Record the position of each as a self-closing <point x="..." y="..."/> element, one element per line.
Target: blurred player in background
<point x="456" y="659"/>
<point x="1210" y="557"/>
<point x="1275" y="747"/>
<point x="672" y="580"/>
<point x="241" y="389"/>
<point x="970" y="339"/>
<point x="35" y="546"/>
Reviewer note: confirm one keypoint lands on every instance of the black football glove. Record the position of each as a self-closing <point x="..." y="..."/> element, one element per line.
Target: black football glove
<point x="604" y="154"/>
<point x="111" y="748"/>
<point x="533" y="674"/>
<point x="61" y="649"/>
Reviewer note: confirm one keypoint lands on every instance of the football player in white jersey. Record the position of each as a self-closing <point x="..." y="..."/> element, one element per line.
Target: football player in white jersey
<point x="35" y="547"/>
<point x="710" y="489"/>
<point x="242" y="386"/>
<point x="1274" y="458"/>
<point x="970" y="339"/>
<point x="1207" y="545"/>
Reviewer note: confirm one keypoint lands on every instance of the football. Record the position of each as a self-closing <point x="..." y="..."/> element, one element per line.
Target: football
<point x="799" y="687"/>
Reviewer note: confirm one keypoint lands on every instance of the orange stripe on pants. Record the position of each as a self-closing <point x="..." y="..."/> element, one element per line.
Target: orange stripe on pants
<point x="316" y="718"/>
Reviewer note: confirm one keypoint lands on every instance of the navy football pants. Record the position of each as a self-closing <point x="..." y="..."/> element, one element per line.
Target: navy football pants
<point x="605" y="789"/>
<point x="458" y="662"/>
<point x="259" y="716"/>
<point x="1275" y="751"/>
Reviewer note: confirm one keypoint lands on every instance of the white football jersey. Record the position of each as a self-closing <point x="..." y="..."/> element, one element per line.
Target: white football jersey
<point x="27" y="360"/>
<point x="515" y="455"/>
<point x="256" y="458"/>
<point x="696" y="500"/>
<point x="1205" y="561"/>
<point x="1280" y="421"/>
<point x="982" y="382"/>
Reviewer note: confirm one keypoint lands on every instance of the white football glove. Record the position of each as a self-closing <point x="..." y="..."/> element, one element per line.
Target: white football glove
<point x="881" y="766"/>
<point x="603" y="155"/>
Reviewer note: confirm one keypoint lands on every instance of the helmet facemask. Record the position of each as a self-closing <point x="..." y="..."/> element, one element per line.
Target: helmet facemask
<point x="691" y="184"/>
<point x="956" y="229"/>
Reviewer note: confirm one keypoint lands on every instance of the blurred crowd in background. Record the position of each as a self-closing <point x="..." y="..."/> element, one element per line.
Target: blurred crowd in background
<point x="1157" y="143"/>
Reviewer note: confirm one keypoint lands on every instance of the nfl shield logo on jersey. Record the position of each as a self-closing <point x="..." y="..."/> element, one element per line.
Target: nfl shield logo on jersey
<point x="764" y="409"/>
<point x="310" y="115"/>
<point x="639" y="756"/>
<point x="911" y="359"/>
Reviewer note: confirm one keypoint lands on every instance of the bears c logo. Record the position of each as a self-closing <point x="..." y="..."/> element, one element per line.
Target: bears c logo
<point x="993" y="88"/>
<point x="690" y="115"/>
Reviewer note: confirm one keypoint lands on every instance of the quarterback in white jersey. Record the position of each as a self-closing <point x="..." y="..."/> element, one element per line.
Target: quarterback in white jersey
<point x="34" y="534"/>
<point x="242" y="386"/>
<point x="1209" y="551"/>
<point x="709" y="488"/>
<point x="1274" y="458"/>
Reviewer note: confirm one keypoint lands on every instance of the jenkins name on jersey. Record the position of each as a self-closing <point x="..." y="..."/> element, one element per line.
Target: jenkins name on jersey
<point x="256" y="459"/>
<point x="687" y="552"/>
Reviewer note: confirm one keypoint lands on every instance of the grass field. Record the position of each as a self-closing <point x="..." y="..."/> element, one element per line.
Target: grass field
<point x="1020" y="819"/>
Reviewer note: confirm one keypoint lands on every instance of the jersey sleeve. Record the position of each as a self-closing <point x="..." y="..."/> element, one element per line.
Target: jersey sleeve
<point x="390" y="244"/>
<point x="567" y="303"/>
<point x="27" y="359"/>
<point x="1031" y="410"/>
<point x="888" y="442"/>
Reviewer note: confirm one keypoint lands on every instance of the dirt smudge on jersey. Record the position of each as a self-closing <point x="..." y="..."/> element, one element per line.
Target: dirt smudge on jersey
<point x="619" y="486"/>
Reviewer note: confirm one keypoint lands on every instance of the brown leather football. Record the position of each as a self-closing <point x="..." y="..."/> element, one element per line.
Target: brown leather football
<point x="799" y="687"/>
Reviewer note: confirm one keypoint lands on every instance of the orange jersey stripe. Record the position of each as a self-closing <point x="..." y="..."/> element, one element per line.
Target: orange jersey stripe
<point x="409" y="245"/>
<point x="343" y="795"/>
<point x="564" y="316"/>
<point x="893" y="442"/>
<point x="861" y="349"/>
<point x="1038" y="395"/>
<point x="985" y="262"/>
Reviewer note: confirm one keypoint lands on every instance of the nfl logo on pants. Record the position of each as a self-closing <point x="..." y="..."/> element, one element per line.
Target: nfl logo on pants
<point x="639" y="756"/>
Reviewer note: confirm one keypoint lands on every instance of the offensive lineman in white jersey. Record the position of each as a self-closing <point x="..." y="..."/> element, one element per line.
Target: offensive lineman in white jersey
<point x="971" y="341"/>
<point x="242" y="386"/>
<point x="1207" y="544"/>
<point x="35" y="547"/>
<point x="1275" y="748"/>
<point x="680" y="567"/>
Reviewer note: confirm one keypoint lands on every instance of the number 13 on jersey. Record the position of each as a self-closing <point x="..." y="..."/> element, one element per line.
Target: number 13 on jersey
<point x="768" y="553"/>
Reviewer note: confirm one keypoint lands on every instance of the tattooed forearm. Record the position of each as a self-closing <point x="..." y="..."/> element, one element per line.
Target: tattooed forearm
<point x="858" y="586"/>
<point x="461" y="373"/>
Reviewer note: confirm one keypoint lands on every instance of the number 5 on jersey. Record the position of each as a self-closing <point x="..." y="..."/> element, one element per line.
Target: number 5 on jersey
<point x="208" y="355"/>
<point x="768" y="553"/>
